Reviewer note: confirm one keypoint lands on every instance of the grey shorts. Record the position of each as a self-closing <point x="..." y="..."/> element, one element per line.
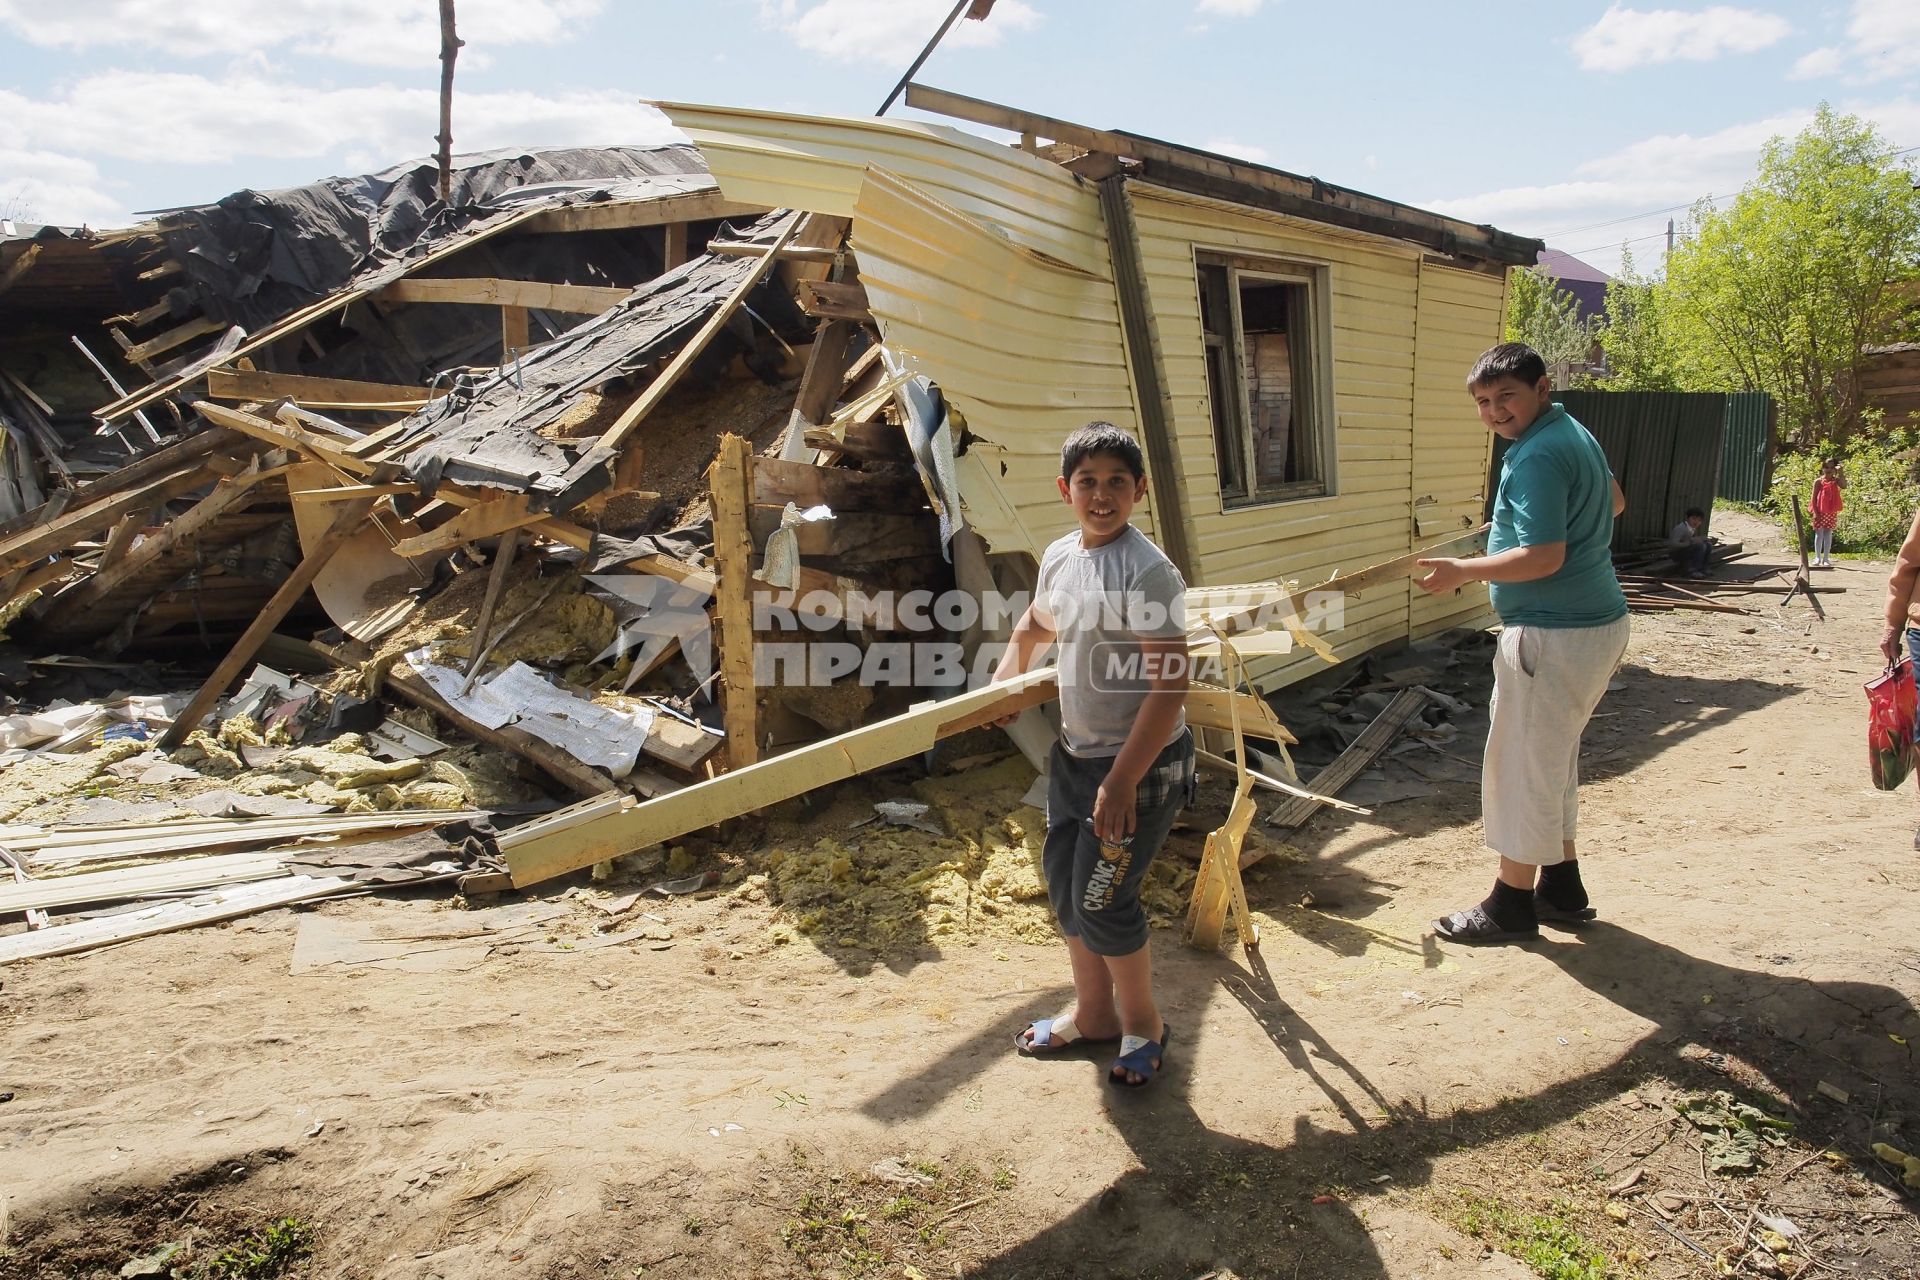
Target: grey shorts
<point x="1095" y="899"/>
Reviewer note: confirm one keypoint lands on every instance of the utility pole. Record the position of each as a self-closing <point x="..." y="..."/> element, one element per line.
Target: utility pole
<point x="1669" y="241"/>
<point x="974" y="9"/>
<point x="449" y="50"/>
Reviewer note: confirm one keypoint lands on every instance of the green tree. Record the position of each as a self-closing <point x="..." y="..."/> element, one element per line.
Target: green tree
<point x="1780" y="291"/>
<point x="1634" y="336"/>
<point x="1545" y="316"/>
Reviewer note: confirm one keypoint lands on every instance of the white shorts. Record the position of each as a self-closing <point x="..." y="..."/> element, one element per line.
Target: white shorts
<point x="1546" y="683"/>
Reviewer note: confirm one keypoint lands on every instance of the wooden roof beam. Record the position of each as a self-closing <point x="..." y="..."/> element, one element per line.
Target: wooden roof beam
<point x="575" y="299"/>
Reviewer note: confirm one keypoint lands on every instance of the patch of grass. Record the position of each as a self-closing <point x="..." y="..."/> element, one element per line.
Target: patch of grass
<point x="1546" y="1242"/>
<point x="260" y="1255"/>
<point x="857" y="1225"/>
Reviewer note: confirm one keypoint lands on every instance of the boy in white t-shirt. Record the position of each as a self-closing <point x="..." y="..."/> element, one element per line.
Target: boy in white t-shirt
<point x="1123" y="768"/>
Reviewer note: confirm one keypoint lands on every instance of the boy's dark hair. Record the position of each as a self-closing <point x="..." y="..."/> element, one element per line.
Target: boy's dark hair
<point x="1508" y="360"/>
<point x="1692" y="512"/>
<point x="1101" y="438"/>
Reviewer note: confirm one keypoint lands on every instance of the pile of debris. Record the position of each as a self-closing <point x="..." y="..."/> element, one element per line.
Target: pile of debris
<point x="531" y="559"/>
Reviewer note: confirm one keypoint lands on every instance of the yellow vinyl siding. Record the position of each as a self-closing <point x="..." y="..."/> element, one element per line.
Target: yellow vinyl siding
<point x="1461" y="314"/>
<point x="1373" y="291"/>
<point x="988" y="270"/>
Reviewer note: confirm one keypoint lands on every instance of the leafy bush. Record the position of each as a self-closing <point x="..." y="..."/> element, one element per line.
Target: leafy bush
<point x="1881" y="491"/>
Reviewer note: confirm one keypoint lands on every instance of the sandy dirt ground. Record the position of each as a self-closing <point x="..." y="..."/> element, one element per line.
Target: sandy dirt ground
<point x="716" y="1094"/>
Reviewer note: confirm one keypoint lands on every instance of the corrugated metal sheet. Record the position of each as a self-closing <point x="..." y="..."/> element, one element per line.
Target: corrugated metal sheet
<point x="1746" y="452"/>
<point x="1664" y="448"/>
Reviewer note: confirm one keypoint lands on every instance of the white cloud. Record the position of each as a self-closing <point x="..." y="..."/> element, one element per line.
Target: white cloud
<point x="1626" y="38"/>
<point x="1612" y="198"/>
<point x="1234" y="147"/>
<point x="1818" y="65"/>
<point x="1231" y="8"/>
<point x="191" y="119"/>
<point x="1884" y="35"/>
<point x="371" y="32"/>
<point x="888" y="31"/>
<point x="45" y="186"/>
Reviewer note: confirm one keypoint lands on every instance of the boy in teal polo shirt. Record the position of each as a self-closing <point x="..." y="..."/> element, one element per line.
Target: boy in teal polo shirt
<point x="1550" y="570"/>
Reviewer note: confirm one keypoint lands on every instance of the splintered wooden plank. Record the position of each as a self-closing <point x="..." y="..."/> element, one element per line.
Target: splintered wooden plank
<point x="142" y="352"/>
<point x="1349" y="764"/>
<point x="71" y="525"/>
<point x="832" y="300"/>
<point x="284" y="435"/>
<point x="1214" y="708"/>
<point x="223" y="904"/>
<point x="162" y="462"/>
<point x="580" y="836"/>
<point x="178" y="535"/>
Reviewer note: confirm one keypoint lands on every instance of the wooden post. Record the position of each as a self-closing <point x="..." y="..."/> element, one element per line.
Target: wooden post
<point x="449" y="50"/>
<point x="674" y="248"/>
<point x="1143" y="362"/>
<point x="516" y="332"/>
<point x="732" y="482"/>
<point x="349" y="522"/>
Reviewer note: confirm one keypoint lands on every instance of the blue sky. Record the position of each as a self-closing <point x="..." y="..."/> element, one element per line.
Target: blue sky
<point x="1560" y="119"/>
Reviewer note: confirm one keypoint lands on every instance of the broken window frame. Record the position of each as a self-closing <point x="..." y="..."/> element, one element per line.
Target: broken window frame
<point x="1225" y="355"/>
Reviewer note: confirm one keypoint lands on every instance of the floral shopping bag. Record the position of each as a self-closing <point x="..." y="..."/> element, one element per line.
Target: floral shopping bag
<point x="1890" y="725"/>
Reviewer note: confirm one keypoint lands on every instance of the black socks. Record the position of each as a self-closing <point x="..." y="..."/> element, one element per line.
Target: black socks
<point x="1560" y="886"/>
<point x="1510" y="908"/>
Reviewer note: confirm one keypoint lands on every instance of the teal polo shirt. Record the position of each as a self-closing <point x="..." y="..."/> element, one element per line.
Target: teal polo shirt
<point x="1554" y="487"/>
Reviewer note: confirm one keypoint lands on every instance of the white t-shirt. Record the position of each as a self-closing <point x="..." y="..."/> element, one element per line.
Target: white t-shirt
<point x="1101" y="602"/>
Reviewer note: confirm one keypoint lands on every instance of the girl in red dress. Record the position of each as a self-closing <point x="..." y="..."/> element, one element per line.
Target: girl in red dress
<point x="1827" y="504"/>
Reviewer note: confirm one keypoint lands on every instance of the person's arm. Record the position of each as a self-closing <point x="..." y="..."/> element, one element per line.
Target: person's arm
<point x="1900" y="585"/>
<point x="1030" y="638"/>
<point x="1113" y="806"/>
<point x="1619" y="497"/>
<point x="1521" y="564"/>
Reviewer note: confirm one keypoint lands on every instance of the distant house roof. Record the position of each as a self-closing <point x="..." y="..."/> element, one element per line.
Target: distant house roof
<point x="1588" y="285"/>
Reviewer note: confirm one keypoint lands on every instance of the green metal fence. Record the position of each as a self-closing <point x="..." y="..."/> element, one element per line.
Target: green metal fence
<point x="1663" y="446"/>
<point x="1746" y="455"/>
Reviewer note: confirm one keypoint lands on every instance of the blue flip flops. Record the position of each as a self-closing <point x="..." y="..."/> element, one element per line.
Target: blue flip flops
<point x="1140" y="1056"/>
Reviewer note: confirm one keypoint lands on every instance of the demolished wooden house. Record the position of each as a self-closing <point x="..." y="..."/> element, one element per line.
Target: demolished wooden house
<point x="855" y="386"/>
